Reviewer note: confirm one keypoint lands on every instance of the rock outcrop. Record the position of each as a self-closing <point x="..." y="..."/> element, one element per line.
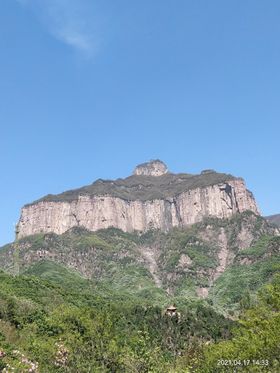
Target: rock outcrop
<point x="151" y="198"/>
<point x="152" y="168"/>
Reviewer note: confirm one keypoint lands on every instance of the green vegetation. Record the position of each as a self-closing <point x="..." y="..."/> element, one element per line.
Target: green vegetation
<point x="142" y="188"/>
<point x="255" y="346"/>
<point x="96" y="302"/>
<point x="48" y="326"/>
<point x="63" y="328"/>
<point x="257" y="250"/>
<point x="252" y="268"/>
<point x="161" y="266"/>
<point x="238" y="281"/>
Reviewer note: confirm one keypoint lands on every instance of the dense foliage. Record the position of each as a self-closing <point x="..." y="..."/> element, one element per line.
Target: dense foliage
<point x="70" y="328"/>
<point x="46" y="327"/>
<point x="255" y="346"/>
<point x="97" y="301"/>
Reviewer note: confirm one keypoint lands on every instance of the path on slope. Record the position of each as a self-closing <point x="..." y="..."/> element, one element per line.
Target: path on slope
<point x="222" y="254"/>
<point x="149" y="254"/>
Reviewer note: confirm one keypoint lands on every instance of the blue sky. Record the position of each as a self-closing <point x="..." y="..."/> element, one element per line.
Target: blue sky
<point x="91" y="88"/>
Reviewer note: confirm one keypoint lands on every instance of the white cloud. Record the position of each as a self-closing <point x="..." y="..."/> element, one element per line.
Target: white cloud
<point x="74" y="39"/>
<point x="68" y="21"/>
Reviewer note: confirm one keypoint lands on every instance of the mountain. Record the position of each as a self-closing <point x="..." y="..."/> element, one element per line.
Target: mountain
<point x="152" y="198"/>
<point x="274" y="219"/>
<point x="220" y="260"/>
<point x="158" y="272"/>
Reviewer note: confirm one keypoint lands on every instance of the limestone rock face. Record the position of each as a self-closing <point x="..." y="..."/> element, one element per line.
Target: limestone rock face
<point x="98" y="211"/>
<point x="152" y="168"/>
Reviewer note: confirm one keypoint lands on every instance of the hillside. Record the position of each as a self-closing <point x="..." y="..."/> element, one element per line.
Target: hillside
<point x="182" y="264"/>
<point x="58" y="321"/>
<point x="52" y="320"/>
<point x="98" y="301"/>
<point x="274" y="219"/>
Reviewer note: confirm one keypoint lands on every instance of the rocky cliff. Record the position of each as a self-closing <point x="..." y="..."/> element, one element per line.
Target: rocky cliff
<point x="151" y="198"/>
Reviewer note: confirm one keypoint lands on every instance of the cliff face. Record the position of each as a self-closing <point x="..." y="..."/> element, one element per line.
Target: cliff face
<point x="180" y="200"/>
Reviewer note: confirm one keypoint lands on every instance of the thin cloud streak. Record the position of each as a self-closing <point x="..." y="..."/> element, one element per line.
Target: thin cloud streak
<point x="66" y="20"/>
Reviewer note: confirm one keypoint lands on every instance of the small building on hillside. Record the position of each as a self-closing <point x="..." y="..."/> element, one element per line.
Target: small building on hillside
<point x="171" y="311"/>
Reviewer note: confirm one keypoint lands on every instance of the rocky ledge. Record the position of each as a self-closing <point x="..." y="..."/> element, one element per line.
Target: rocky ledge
<point x="151" y="198"/>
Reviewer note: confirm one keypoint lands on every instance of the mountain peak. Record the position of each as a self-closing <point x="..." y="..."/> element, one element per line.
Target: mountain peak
<point x="154" y="167"/>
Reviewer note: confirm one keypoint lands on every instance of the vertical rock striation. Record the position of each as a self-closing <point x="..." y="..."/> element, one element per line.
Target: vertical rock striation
<point x="151" y="198"/>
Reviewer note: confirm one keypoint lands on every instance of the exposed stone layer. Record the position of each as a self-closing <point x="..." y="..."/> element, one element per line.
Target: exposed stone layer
<point x="152" y="168"/>
<point x="102" y="211"/>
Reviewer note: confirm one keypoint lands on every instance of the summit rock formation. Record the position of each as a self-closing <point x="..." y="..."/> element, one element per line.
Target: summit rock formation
<point x="151" y="198"/>
<point x="152" y="168"/>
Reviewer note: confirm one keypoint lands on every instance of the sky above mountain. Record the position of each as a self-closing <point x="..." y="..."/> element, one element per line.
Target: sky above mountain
<point x="91" y="88"/>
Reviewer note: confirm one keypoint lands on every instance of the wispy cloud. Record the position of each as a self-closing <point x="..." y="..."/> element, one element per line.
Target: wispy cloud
<point x="68" y="21"/>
